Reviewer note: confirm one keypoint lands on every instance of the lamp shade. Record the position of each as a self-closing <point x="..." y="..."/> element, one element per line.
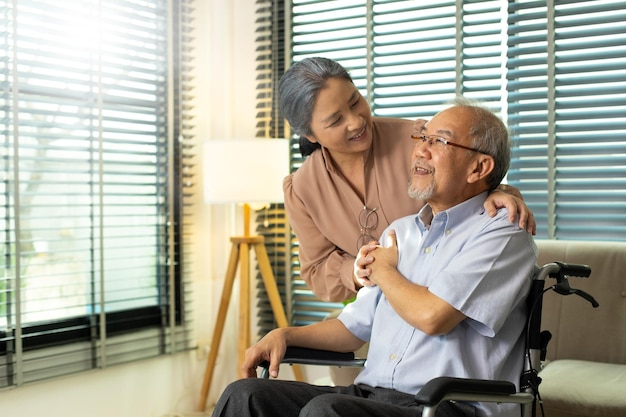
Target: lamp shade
<point x="245" y="170"/>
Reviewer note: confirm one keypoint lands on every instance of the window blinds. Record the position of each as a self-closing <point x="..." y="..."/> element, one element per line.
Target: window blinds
<point x="271" y="222"/>
<point x="556" y="71"/>
<point x="92" y="188"/>
<point x="566" y="85"/>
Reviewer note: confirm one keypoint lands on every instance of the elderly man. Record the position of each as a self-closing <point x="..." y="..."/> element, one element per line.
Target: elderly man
<point x="444" y="296"/>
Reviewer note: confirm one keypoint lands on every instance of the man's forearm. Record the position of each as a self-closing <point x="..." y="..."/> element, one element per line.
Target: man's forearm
<point x="328" y="335"/>
<point x="418" y="306"/>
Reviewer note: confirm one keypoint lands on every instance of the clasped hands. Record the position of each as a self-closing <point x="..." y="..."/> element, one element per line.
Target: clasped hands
<point x="373" y="260"/>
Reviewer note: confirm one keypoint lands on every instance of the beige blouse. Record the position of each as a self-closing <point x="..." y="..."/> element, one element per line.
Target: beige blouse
<point x="323" y="209"/>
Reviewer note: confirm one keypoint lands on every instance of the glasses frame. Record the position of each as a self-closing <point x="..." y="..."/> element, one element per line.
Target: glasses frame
<point x="364" y="226"/>
<point x="439" y="139"/>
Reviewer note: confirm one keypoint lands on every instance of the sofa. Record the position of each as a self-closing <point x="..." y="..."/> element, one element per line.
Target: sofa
<point x="584" y="374"/>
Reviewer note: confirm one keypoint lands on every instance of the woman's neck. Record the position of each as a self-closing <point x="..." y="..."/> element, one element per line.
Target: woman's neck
<point x="351" y="167"/>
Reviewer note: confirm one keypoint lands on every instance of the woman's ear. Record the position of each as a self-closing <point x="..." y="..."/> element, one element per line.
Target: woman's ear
<point x="310" y="138"/>
<point x="483" y="165"/>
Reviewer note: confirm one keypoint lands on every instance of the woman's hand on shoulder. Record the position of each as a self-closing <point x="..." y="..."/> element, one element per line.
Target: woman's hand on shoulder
<point x="510" y="197"/>
<point x="418" y="125"/>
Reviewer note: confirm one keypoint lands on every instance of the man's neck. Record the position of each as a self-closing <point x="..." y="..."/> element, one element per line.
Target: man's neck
<point x="439" y="205"/>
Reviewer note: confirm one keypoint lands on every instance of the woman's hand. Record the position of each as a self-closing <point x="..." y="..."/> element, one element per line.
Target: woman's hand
<point x="418" y="126"/>
<point x="362" y="269"/>
<point x="511" y="198"/>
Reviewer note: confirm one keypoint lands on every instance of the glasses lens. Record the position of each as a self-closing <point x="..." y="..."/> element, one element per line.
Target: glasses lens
<point x="364" y="240"/>
<point x="368" y="218"/>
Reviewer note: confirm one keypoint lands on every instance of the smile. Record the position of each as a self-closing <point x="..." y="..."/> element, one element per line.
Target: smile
<point x="418" y="170"/>
<point x="358" y="135"/>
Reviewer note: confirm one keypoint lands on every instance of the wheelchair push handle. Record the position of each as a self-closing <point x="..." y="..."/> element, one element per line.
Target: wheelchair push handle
<point x="572" y="270"/>
<point x="561" y="271"/>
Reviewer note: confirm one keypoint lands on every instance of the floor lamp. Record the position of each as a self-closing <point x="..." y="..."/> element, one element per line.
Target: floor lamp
<point x="244" y="171"/>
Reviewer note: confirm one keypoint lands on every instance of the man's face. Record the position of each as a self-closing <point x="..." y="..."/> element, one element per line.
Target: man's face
<point x="440" y="173"/>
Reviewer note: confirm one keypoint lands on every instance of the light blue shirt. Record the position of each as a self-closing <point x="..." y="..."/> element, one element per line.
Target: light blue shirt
<point x="482" y="266"/>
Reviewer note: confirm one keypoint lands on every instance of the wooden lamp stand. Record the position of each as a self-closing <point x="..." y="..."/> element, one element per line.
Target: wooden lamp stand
<point x="240" y="255"/>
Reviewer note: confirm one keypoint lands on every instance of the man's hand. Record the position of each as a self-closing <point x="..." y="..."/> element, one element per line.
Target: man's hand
<point x="384" y="259"/>
<point x="270" y="348"/>
<point x="414" y="303"/>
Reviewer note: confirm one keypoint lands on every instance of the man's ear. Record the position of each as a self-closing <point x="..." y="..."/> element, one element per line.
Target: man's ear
<point x="482" y="167"/>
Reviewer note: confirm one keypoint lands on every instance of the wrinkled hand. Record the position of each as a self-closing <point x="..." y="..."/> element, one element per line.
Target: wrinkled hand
<point x="418" y="125"/>
<point x="511" y="198"/>
<point x="270" y="348"/>
<point x="385" y="259"/>
<point x="363" y="260"/>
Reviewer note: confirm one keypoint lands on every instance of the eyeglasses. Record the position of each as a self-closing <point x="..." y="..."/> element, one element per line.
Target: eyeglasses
<point x="442" y="142"/>
<point x="368" y="221"/>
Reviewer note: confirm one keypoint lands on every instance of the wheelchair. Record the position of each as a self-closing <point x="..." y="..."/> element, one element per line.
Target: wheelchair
<point x="447" y="388"/>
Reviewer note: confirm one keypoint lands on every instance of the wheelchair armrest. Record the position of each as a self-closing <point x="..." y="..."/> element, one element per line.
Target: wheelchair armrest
<point x="436" y="389"/>
<point x="306" y="356"/>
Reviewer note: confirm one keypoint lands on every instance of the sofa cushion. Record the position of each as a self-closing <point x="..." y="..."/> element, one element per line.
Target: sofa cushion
<point x="577" y="388"/>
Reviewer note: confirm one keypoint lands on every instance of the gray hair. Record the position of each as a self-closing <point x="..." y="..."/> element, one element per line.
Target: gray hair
<point x="298" y="89"/>
<point x="491" y="136"/>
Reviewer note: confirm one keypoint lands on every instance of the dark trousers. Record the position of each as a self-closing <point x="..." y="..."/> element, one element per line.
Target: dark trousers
<point x="277" y="398"/>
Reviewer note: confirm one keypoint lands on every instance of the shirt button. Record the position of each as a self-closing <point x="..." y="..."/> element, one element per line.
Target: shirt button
<point x="427" y="250"/>
<point x="393" y="356"/>
<point x="448" y="231"/>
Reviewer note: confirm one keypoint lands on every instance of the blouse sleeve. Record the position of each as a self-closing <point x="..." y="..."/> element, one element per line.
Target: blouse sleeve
<point x="327" y="270"/>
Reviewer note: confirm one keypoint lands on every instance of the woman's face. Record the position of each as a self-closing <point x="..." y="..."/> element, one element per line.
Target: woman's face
<point x="341" y="119"/>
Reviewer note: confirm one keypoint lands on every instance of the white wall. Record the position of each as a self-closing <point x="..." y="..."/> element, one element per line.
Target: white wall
<point x="171" y="385"/>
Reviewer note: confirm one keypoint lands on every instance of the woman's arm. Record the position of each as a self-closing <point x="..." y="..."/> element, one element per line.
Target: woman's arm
<point x="326" y="269"/>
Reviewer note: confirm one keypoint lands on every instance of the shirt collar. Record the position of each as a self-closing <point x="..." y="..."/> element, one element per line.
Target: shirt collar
<point x="452" y="216"/>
